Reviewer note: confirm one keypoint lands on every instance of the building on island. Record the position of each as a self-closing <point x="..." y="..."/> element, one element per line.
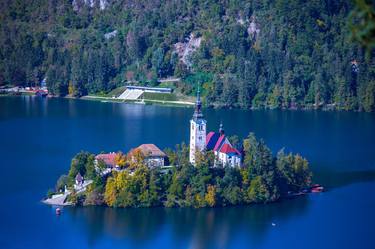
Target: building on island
<point x="80" y="184"/>
<point x="223" y="150"/>
<point x="197" y="131"/>
<point x="153" y="156"/>
<point x="225" y="153"/>
<point x="79" y="181"/>
<point x="108" y="159"/>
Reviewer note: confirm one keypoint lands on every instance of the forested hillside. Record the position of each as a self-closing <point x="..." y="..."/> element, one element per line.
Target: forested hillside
<point x="275" y="54"/>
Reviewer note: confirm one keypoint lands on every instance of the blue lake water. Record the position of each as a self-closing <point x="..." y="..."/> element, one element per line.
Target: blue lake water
<point x="40" y="136"/>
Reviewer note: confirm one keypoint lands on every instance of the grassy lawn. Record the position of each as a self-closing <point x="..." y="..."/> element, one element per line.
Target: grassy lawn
<point x="117" y="91"/>
<point x="167" y="85"/>
<point x="160" y="96"/>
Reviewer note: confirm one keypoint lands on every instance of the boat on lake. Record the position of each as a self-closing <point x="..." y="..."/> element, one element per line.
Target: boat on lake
<point x="317" y="188"/>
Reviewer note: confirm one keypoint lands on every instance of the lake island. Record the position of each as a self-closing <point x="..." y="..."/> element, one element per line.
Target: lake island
<point x="215" y="170"/>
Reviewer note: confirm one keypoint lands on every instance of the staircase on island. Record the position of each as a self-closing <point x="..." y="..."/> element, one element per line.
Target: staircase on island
<point x="131" y="94"/>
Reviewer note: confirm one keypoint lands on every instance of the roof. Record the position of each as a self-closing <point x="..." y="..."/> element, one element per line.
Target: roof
<point x="151" y="150"/>
<point x="79" y="178"/>
<point x="219" y="142"/>
<point x="108" y="159"/>
<point x="211" y="140"/>
<point x="228" y="149"/>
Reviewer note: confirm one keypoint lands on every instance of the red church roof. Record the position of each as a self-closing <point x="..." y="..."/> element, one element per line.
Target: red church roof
<point x="227" y="149"/>
<point x="219" y="142"/>
<point x="209" y="136"/>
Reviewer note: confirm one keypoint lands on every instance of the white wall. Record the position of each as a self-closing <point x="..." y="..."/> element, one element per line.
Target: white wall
<point x="154" y="162"/>
<point x="197" y="138"/>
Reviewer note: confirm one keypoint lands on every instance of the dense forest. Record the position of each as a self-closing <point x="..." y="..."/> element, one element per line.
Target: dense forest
<point x="247" y="54"/>
<point x="262" y="178"/>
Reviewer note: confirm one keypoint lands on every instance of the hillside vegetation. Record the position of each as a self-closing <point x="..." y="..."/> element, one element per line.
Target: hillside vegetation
<point x="274" y="54"/>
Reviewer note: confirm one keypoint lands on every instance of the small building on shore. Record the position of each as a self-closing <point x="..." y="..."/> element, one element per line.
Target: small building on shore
<point x="79" y="180"/>
<point x="153" y="156"/>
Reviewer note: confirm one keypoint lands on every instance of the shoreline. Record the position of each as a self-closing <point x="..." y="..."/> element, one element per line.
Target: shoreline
<point x="325" y="108"/>
<point x="141" y="102"/>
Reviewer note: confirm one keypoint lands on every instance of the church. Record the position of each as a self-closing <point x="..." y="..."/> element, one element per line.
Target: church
<point x="225" y="153"/>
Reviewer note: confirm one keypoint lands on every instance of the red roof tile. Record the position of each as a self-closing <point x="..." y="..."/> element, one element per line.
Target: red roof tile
<point x="108" y="159"/>
<point x="227" y="149"/>
<point x="209" y="136"/>
<point x="219" y="142"/>
<point x="150" y="150"/>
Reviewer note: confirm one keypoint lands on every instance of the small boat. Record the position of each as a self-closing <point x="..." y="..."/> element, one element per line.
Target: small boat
<point x="58" y="211"/>
<point x="273" y="224"/>
<point x="316" y="188"/>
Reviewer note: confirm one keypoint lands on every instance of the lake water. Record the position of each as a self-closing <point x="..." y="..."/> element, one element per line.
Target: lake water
<point x="40" y="136"/>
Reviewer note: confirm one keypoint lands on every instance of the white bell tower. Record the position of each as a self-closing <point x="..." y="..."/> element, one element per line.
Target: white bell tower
<point x="197" y="131"/>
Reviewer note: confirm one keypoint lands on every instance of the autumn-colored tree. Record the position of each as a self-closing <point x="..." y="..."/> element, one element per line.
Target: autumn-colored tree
<point x="189" y="197"/>
<point x="199" y="201"/>
<point x="210" y="196"/>
<point x="110" y="194"/>
<point x="258" y="192"/>
<point x="70" y="88"/>
<point x="135" y="158"/>
<point x="120" y="159"/>
<point x="263" y="179"/>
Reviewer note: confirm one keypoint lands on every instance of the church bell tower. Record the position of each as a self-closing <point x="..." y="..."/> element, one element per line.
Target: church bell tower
<point x="197" y="130"/>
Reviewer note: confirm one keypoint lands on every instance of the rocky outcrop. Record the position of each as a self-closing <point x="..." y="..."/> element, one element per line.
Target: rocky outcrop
<point x="253" y="29"/>
<point x="184" y="50"/>
<point x="78" y="4"/>
<point x="110" y="35"/>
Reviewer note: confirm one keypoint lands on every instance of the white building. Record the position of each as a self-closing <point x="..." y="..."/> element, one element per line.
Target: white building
<point x="153" y="156"/>
<point x="225" y="153"/>
<point x="197" y="131"/>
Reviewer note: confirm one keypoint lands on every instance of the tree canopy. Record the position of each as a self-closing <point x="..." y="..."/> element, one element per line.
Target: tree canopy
<point x="260" y="54"/>
<point x="261" y="179"/>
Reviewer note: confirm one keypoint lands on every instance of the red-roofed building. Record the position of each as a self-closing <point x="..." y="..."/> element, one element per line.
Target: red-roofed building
<point x="153" y="156"/>
<point x="224" y="152"/>
<point x="217" y="142"/>
<point x="108" y="159"/>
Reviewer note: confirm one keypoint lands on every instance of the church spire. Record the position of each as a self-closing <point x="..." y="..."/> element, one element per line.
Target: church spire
<point x="221" y="129"/>
<point x="197" y="130"/>
<point x="198" y="105"/>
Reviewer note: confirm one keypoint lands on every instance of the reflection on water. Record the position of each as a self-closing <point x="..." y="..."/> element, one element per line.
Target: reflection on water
<point x="200" y="227"/>
<point x="196" y="225"/>
<point x="335" y="179"/>
<point x="40" y="136"/>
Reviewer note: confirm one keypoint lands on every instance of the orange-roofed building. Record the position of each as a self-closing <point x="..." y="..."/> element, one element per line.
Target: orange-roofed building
<point x="153" y="156"/>
<point x="108" y="159"/>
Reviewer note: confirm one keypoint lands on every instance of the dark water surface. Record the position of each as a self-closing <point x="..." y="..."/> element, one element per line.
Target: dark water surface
<point x="40" y="136"/>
